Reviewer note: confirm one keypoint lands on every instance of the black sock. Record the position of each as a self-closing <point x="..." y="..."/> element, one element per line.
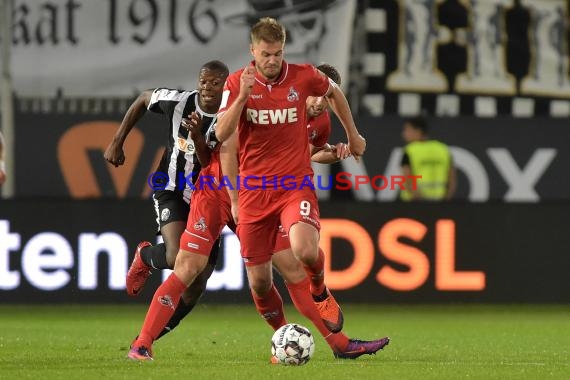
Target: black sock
<point x="321" y="297"/>
<point x="182" y="310"/>
<point x="155" y="256"/>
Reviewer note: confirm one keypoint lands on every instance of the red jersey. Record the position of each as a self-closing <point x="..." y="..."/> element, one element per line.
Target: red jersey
<point x="214" y="168"/>
<point x="272" y="129"/>
<point x="319" y="129"/>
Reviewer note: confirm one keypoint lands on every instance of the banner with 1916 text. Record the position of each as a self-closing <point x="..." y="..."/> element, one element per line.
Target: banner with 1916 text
<point x="118" y="47"/>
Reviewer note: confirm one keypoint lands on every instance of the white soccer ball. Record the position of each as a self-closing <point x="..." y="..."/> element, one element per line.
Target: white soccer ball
<point x="292" y="344"/>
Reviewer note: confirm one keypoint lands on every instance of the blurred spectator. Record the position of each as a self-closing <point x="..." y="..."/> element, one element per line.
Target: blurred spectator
<point x="2" y="165"/>
<point x="430" y="159"/>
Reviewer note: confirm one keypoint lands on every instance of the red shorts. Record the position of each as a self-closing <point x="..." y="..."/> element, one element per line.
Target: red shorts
<point x="262" y="211"/>
<point x="210" y="212"/>
<point x="281" y="241"/>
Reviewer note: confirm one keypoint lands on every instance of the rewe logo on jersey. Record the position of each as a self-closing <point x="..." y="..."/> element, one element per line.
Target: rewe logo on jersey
<point x="278" y="116"/>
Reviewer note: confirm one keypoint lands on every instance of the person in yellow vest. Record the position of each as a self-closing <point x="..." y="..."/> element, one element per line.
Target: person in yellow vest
<point x="429" y="158"/>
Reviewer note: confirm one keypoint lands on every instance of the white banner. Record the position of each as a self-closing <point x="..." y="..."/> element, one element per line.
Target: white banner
<point x="120" y="47"/>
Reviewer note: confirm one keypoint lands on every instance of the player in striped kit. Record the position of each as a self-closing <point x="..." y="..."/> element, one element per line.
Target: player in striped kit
<point x="186" y="153"/>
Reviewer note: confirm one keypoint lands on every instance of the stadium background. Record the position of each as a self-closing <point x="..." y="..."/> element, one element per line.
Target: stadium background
<point x="492" y="75"/>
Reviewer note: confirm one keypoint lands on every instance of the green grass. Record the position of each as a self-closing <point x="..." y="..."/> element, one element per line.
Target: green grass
<point x="232" y="342"/>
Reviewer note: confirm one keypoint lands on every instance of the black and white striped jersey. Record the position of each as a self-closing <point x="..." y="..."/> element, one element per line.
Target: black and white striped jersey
<point x="179" y="160"/>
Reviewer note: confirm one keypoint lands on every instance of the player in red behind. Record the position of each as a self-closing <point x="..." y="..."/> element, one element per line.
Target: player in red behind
<point x="319" y="125"/>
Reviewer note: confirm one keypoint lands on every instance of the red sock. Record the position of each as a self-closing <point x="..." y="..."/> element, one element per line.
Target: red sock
<point x="161" y="308"/>
<point x="270" y="307"/>
<point x="301" y="296"/>
<point x="316" y="273"/>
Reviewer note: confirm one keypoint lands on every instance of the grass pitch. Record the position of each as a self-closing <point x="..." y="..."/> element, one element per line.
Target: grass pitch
<point x="232" y="342"/>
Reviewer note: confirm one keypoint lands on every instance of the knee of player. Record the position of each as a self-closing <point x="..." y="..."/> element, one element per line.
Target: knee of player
<point x="191" y="264"/>
<point x="261" y="286"/>
<point x="306" y="253"/>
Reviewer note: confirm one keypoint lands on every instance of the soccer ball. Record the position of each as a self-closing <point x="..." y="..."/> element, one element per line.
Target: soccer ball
<point x="292" y="344"/>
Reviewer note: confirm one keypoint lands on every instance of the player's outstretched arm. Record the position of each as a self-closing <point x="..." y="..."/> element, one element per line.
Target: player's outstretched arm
<point x="339" y="104"/>
<point x="228" y="119"/>
<point x="114" y="152"/>
<point x="329" y="154"/>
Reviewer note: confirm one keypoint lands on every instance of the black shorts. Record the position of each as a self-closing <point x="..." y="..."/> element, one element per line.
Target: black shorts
<point x="169" y="207"/>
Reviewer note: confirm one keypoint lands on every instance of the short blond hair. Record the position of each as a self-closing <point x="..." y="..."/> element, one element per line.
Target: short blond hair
<point x="269" y="30"/>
